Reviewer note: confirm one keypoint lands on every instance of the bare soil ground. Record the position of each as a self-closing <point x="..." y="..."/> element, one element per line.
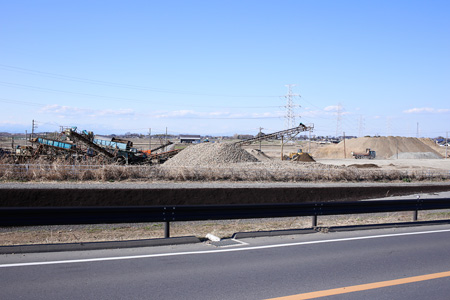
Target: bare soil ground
<point x="393" y="164"/>
<point x="335" y="155"/>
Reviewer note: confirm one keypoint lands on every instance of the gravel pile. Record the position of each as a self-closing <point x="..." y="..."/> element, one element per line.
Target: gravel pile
<point x="210" y="154"/>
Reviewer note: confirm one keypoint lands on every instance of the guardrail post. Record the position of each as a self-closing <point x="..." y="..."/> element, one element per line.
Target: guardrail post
<point x="314" y="221"/>
<point x="415" y="215"/>
<point x="167" y="229"/>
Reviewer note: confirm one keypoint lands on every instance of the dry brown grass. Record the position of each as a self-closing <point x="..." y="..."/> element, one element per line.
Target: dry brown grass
<point x="60" y="170"/>
<point x="289" y="175"/>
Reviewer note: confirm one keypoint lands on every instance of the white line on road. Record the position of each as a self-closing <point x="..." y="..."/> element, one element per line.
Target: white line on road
<point x="217" y="251"/>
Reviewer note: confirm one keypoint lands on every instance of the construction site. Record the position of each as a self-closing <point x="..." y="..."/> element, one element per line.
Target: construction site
<point x="84" y="169"/>
<point x="81" y="155"/>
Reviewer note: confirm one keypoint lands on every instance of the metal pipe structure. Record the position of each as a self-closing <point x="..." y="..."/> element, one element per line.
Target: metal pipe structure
<point x="276" y="135"/>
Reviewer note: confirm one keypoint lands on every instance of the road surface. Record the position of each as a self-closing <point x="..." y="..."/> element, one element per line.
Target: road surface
<point x="259" y="268"/>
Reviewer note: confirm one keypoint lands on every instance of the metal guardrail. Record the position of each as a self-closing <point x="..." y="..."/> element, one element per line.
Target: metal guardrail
<point x="19" y="216"/>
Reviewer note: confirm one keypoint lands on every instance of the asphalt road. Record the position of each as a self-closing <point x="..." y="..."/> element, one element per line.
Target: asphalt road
<point x="263" y="268"/>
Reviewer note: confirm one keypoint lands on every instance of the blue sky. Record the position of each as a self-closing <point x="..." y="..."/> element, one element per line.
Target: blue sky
<point x="221" y="67"/>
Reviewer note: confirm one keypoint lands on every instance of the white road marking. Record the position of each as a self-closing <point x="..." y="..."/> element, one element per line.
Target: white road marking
<point x="241" y="242"/>
<point x="216" y="251"/>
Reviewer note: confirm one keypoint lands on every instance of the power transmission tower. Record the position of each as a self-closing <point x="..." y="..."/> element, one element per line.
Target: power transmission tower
<point x="33" y="127"/>
<point x="290" y="106"/>
<point x="361" y="126"/>
<point x="389" y="126"/>
<point x="338" y="119"/>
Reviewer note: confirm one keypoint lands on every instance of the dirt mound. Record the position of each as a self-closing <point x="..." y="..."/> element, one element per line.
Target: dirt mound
<point x="385" y="147"/>
<point x="261" y="156"/>
<point x="434" y="146"/>
<point x="304" y="157"/>
<point x="210" y="154"/>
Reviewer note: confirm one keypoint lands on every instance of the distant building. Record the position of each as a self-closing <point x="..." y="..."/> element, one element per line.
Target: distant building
<point x="190" y="138"/>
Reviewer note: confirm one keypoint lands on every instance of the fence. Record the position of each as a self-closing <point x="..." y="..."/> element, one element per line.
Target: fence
<point x="100" y="215"/>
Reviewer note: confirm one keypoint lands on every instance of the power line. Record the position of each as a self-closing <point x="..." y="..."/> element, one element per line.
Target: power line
<point x="23" y="86"/>
<point x="121" y="85"/>
<point x="338" y="119"/>
<point x="21" y="102"/>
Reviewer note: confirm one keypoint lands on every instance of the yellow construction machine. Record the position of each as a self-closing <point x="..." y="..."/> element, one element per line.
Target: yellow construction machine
<point x="294" y="155"/>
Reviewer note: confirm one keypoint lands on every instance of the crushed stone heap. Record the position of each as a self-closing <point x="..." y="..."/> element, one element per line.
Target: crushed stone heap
<point x="210" y="154"/>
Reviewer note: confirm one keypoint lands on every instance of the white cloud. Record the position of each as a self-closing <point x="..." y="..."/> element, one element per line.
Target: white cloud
<point x="312" y="113"/>
<point x="335" y="109"/>
<point x="119" y="112"/>
<point x="426" y="110"/>
<point x="63" y="111"/>
<point x="331" y="108"/>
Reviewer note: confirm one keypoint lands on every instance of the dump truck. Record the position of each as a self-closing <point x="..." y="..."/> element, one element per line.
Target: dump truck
<point x="369" y="154"/>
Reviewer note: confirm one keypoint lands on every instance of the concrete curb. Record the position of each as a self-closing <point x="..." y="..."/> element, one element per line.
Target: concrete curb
<point x="253" y="234"/>
<point x="98" y="245"/>
<point x="381" y="226"/>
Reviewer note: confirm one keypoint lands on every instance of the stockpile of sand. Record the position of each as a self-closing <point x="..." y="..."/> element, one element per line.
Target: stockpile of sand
<point x="434" y="146"/>
<point x="385" y="147"/>
<point x="210" y="154"/>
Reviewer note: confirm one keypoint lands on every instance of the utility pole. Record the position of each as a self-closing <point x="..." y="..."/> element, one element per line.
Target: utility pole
<point x="417" y="129"/>
<point x="397" y="149"/>
<point x="166" y="136"/>
<point x="26" y="140"/>
<point x="260" y="128"/>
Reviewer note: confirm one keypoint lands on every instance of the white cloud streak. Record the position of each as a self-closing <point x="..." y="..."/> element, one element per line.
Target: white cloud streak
<point x="63" y="111"/>
<point x="426" y="110"/>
